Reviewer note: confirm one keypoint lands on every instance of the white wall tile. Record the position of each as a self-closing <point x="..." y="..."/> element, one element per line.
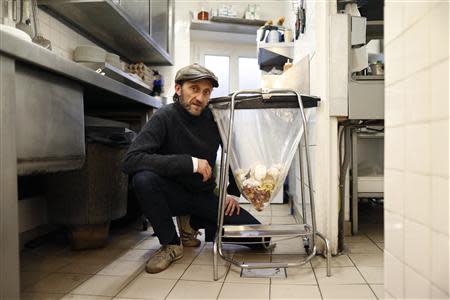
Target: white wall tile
<point x="395" y="63"/>
<point x="418" y="148"/>
<point x="393" y="16"/>
<point x="437" y="293"/>
<point x="416" y="285"/>
<point x="440" y="148"/>
<point x="414" y="11"/>
<point x="440" y="260"/>
<point x="418" y="247"/>
<point x="393" y="276"/>
<point x="417" y="46"/>
<point x="439" y="31"/>
<point x="418" y="197"/>
<point x="439" y="88"/>
<point x="439" y="204"/>
<point x="394" y="196"/>
<point x="417" y="69"/>
<point x="394" y="235"/>
<point x="395" y="148"/>
<point x="417" y="97"/>
<point x="395" y="104"/>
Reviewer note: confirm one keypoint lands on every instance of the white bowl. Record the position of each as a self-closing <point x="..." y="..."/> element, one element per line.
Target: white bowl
<point x="15" y="32"/>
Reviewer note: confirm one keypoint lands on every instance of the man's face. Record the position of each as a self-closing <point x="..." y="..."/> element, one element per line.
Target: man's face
<point x="194" y="95"/>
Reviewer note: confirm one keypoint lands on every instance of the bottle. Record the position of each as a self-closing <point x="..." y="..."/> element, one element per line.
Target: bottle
<point x="287" y="66"/>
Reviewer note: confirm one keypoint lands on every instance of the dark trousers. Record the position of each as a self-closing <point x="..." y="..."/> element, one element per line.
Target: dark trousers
<point x="161" y="199"/>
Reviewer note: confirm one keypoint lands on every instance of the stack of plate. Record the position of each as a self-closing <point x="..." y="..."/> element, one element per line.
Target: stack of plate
<point x="91" y="56"/>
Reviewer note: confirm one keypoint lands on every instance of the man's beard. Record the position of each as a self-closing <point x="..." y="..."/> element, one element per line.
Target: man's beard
<point x="188" y="106"/>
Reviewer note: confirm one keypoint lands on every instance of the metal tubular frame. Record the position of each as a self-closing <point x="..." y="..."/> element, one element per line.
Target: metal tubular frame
<point x="224" y="167"/>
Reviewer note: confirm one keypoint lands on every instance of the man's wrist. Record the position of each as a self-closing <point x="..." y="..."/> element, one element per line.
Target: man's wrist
<point x="195" y="164"/>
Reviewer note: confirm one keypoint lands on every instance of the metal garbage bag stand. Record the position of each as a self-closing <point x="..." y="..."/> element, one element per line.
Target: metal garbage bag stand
<point x="260" y="99"/>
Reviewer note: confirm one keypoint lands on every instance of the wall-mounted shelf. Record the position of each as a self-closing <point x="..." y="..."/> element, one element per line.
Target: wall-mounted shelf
<point x="228" y="25"/>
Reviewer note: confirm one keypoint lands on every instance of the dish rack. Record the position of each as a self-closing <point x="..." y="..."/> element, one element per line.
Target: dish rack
<point x="261" y="99"/>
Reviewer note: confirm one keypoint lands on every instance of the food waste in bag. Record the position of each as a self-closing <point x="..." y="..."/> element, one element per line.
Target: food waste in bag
<point x="259" y="183"/>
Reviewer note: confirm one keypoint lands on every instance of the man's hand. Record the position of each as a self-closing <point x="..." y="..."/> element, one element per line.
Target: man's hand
<point x="231" y="206"/>
<point x="204" y="168"/>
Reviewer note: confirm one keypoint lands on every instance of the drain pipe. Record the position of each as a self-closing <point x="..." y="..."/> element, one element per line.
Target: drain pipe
<point x="346" y="135"/>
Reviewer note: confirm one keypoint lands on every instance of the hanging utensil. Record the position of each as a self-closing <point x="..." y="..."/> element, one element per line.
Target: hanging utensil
<point x="38" y="38"/>
<point x="22" y="25"/>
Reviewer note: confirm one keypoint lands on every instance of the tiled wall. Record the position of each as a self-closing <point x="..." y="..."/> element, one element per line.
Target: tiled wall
<point x="64" y="40"/>
<point x="417" y="149"/>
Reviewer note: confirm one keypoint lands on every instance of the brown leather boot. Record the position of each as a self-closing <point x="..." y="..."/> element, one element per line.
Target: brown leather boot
<point x="188" y="235"/>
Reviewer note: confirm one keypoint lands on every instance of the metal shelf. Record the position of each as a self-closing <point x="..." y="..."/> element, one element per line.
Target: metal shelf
<point x="246" y="231"/>
<point x="228" y="25"/>
<point x="107" y="23"/>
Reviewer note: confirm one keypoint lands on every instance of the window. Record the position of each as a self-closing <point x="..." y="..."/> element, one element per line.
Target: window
<point x="234" y="64"/>
<point x="220" y="65"/>
<point x="249" y="73"/>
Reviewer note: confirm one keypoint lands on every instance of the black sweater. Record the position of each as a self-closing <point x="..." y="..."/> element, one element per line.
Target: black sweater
<point x="168" y="142"/>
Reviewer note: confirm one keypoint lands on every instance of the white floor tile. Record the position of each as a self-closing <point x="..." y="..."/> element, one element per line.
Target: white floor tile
<point x="40" y="296"/>
<point x="122" y="268"/>
<point x="347" y="292"/>
<point x="58" y="283"/>
<point x="85" y="297"/>
<point x="343" y="275"/>
<point x="367" y="260"/>
<point x="291" y="258"/>
<point x="29" y="278"/>
<point x="294" y="291"/>
<point x="206" y="258"/>
<point x="137" y="255"/>
<point x="105" y="254"/>
<point x="204" y="273"/>
<point x="297" y="276"/>
<point x="336" y="261"/>
<point x="44" y="264"/>
<point x="102" y="285"/>
<point x="151" y="243"/>
<point x="148" y="288"/>
<point x="363" y="248"/>
<point x="373" y="275"/>
<point x="378" y="289"/>
<point x="80" y="267"/>
<point x="244" y="291"/>
<point x="195" y="290"/>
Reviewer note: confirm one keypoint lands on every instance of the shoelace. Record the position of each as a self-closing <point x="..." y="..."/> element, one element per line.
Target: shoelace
<point x="188" y="235"/>
<point x="164" y="251"/>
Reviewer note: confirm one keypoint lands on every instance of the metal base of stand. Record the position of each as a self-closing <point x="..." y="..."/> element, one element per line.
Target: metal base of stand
<point x="270" y="266"/>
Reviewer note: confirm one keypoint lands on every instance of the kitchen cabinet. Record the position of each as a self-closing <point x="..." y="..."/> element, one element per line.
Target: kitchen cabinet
<point x="154" y="17"/>
<point x="137" y="30"/>
<point x="139" y="12"/>
<point x="160" y="18"/>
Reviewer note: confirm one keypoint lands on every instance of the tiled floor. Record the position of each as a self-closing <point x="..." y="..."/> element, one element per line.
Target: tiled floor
<point x="52" y="271"/>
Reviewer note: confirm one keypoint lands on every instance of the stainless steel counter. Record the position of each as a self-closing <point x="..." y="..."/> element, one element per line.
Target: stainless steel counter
<point x="36" y="113"/>
<point x="94" y="82"/>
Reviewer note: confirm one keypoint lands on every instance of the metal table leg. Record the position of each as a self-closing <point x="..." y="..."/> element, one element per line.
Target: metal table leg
<point x="9" y="227"/>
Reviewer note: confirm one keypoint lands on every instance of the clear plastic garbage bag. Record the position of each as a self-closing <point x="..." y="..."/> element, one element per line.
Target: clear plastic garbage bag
<point x="263" y="145"/>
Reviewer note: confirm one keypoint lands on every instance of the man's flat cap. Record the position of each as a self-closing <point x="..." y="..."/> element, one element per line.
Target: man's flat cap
<point x="195" y="72"/>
